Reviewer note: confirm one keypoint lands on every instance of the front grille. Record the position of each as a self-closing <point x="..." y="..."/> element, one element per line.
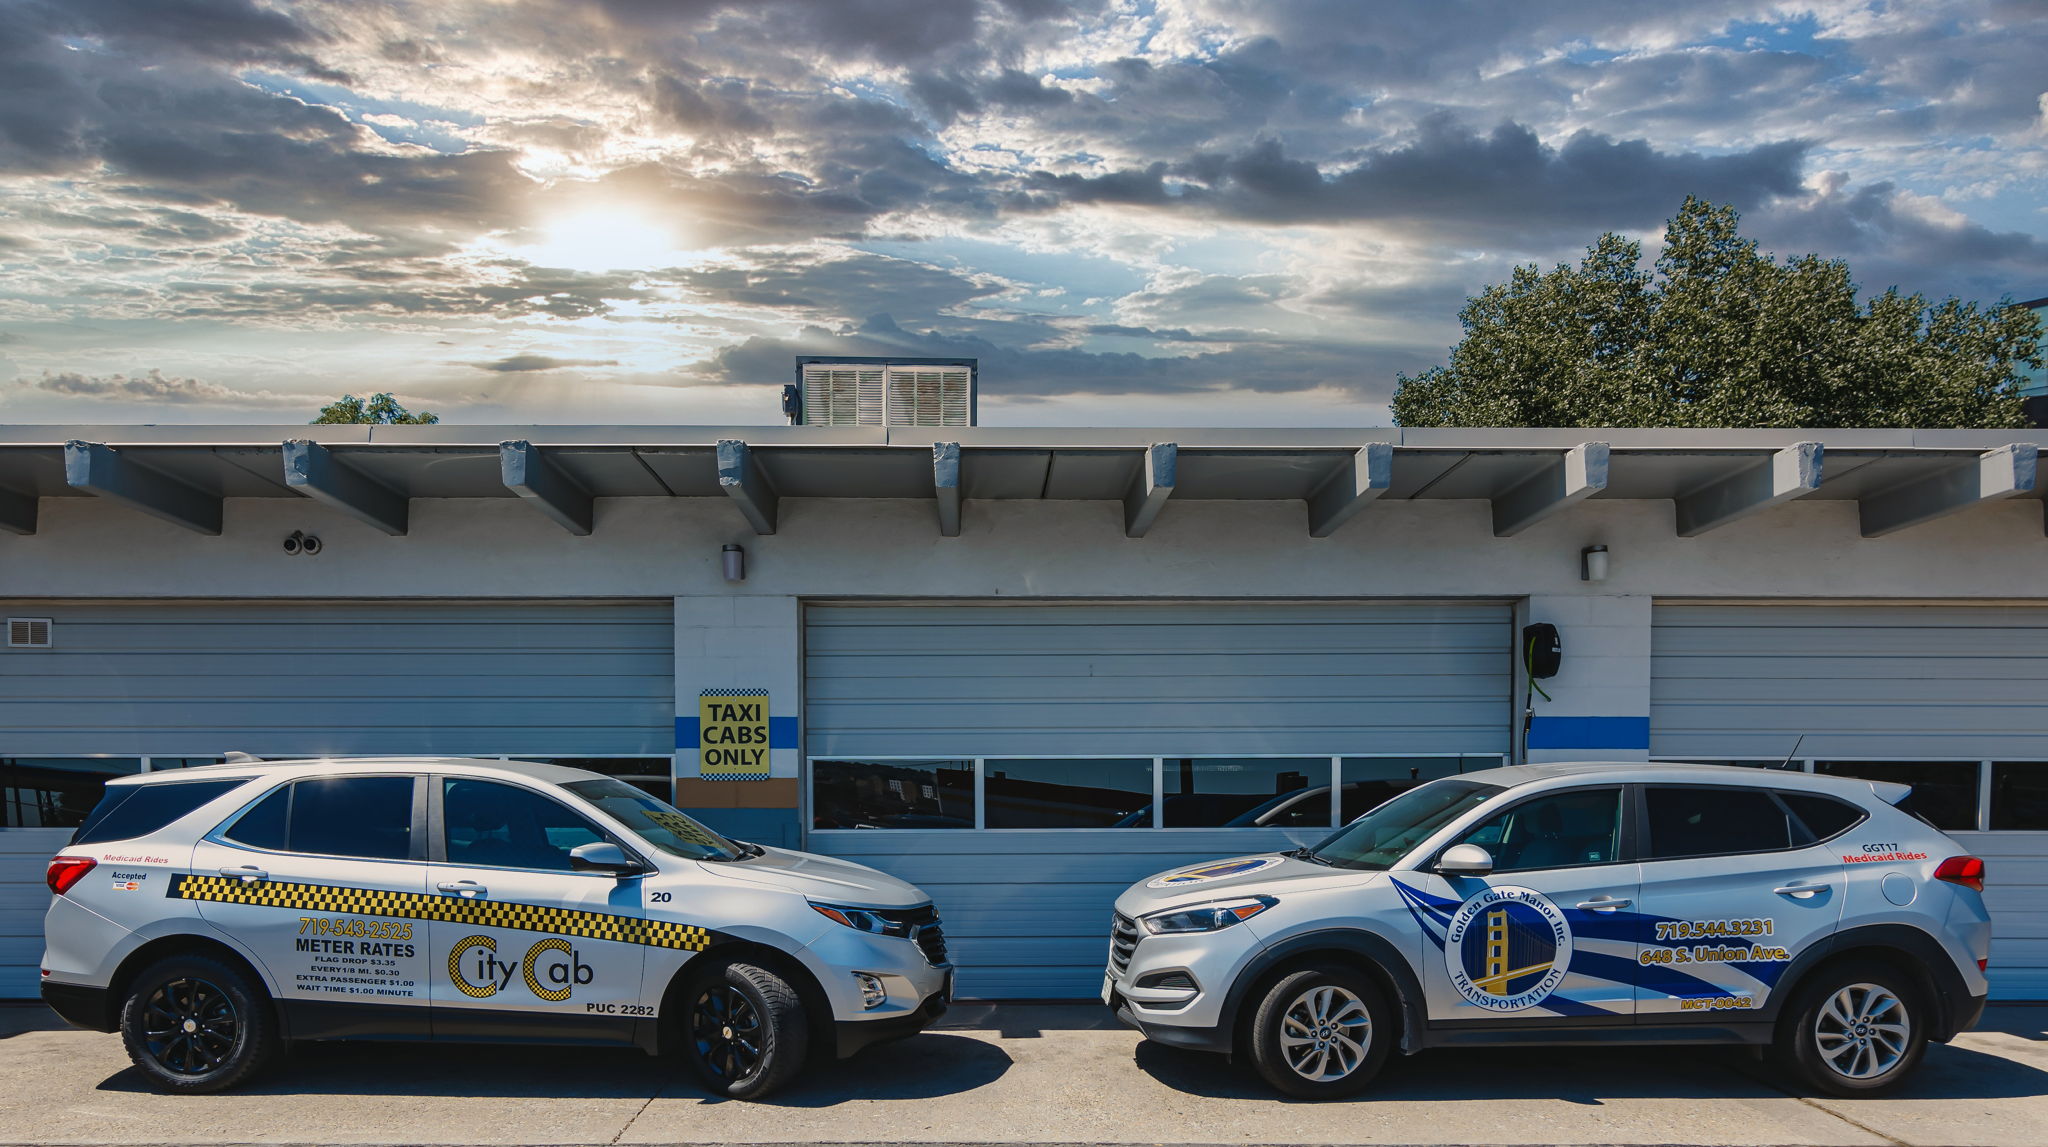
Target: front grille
<point x="925" y="922"/>
<point x="1123" y="940"/>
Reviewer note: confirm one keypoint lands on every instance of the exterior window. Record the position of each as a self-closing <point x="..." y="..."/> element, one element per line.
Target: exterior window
<point x="1582" y="826"/>
<point x="1368" y="782"/>
<point x="1824" y="817"/>
<point x="2019" y="795"/>
<point x="138" y="810"/>
<point x="156" y="763"/>
<point x="1245" y="792"/>
<point x="1944" y="792"/>
<point x="368" y="817"/>
<point x="651" y="775"/>
<point x="56" y="792"/>
<point x="1097" y="793"/>
<point x="1714" y="822"/>
<point x="892" y="794"/>
<point x="505" y="826"/>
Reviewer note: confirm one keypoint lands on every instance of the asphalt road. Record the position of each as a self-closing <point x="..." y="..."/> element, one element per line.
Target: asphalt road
<point x="1015" y="1074"/>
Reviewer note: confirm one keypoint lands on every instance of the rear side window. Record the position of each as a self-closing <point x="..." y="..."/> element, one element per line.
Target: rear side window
<point x="129" y="811"/>
<point x="1823" y="816"/>
<point x="1715" y="822"/>
<point x="367" y="817"/>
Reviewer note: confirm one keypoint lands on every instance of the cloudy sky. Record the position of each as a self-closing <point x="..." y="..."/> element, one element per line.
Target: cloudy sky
<point x="1133" y="212"/>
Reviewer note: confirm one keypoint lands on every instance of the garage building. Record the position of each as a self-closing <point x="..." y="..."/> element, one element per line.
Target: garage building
<point x="1023" y="668"/>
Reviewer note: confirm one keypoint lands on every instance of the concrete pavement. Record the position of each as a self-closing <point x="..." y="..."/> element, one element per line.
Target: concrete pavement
<point x="1039" y="1074"/>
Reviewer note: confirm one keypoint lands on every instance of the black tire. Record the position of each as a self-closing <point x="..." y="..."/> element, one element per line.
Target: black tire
<point x="1322" y="1033"/>
<point x="196" y="1024"/>
<point x="743" y="1030"/>
<point x="1855" y="1029"/>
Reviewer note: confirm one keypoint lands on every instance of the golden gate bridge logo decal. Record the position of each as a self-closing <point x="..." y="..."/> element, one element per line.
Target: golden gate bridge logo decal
<point x="1507" y="948"/>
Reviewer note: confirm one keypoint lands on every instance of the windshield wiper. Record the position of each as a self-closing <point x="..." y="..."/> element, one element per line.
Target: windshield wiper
<point x="1307" y="853"/>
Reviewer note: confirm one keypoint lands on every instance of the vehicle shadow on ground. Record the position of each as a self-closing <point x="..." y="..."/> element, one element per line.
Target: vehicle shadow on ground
<point x="922" y="1067"/>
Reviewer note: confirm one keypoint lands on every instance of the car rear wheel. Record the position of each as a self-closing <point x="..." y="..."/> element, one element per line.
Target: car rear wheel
<point x="195" y="1024"/>
<point x="1321" y="1033"/>
<point x="1854" y="1030"/>
<point x="744" y="1030"/>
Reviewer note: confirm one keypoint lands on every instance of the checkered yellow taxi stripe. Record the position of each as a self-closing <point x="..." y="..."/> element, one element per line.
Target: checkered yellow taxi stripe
<point x="328" y="899"/>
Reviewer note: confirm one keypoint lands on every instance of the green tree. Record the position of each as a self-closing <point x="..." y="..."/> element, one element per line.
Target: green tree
<point x="380" y="410"/>
<point x="1719" y="335"/>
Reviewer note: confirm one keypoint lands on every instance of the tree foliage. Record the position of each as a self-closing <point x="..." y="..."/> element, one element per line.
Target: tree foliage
<point x="1719" y="335"/>
<point x="380" y="410"/>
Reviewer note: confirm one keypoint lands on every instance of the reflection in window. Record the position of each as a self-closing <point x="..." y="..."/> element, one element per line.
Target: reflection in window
<point x="505" y="826"/>
<point x="1944" y="792"/>
<point x="1369" y="782"/>
<point x="892" y="794"/>
<point x="1246" y="792"/>
<point x="1095" y="793"/>
<point x="2019" y="794"/>
<point x="651" y="775"/>
<point x="1689" y="821"/>
<point x="56" y="792"/>
<point x="156" y="763"/>
<point x="1580" y="826"/>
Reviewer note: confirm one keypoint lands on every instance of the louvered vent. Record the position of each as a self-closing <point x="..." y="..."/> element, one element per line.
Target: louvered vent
<point x="928" y="396"/>
<point x="843" y="395"/>
<point x="28" y="632"/>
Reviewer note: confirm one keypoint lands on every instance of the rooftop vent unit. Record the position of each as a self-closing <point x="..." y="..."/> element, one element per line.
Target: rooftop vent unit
<point x="882" y="392"/>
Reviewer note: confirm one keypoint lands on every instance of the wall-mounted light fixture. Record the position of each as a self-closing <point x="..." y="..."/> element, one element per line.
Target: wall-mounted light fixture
<point x="735" y="560"/>
<point x="1593" y="563"/>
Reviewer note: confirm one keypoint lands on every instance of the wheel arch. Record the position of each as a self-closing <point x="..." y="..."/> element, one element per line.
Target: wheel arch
<point x="1905" y="949"/>
<point x="179" y="944"/>
<point x="1369" y="952"/>
<point x="674" y="1001"/>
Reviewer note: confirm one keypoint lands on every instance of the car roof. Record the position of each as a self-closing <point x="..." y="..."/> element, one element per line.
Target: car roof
<point x="338" y="766"/>
<point x="1516" y="776"/>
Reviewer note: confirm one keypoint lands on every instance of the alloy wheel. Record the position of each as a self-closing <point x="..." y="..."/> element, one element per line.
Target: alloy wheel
<point x="1324" y="1033"/>
<point x="727" y="1031"/>
<point x="1862" y="1031"/>
<point x="190" y="1026"/>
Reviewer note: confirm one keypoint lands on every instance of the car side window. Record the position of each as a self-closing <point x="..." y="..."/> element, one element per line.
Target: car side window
<point x="365" y="817"/>
<point x="1558" y="830"/>
<point x="1825" y="817"/>
<point x="1687" y="821"/>
<point x="506" y="826"/>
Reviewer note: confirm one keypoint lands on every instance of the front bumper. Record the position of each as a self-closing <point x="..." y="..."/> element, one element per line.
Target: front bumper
<point x="1180" y="1017"/>
<point x="856" y="1035"/>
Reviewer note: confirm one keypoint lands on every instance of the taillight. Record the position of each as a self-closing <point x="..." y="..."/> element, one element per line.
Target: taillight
<point x="66" y="871"/>
<point x="1967" y="871"/>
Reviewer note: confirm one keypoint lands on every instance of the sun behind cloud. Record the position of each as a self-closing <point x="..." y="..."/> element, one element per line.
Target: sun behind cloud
<point x="595" y="239"/>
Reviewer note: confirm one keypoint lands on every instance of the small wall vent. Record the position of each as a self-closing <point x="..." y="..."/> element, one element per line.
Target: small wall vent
<point x="28" y="632"/>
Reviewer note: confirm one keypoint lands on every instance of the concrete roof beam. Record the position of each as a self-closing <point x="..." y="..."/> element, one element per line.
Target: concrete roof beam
<point x="946" y="485"/>
<point x="1793" y="472"/>
<point x="1993" y="475"/>
<point x="17" y="512"/>
<point x="101" y="470"/>
<point x="313" y="470"/>
<point x="1357" y="483"/>
<point x="740" y="476"/>
<point x="1150" y="489"/>
<point x="1575" y="475"/>
<point x="543" y="485"/>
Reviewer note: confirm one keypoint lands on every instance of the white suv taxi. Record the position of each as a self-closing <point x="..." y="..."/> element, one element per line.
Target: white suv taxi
<point x="1572" y="904"/>
<point x="212" y="915"/>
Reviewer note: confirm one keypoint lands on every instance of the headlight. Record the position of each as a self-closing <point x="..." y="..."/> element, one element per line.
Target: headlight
<point x="1206" y="917"/>
<point x="865" y="919"/>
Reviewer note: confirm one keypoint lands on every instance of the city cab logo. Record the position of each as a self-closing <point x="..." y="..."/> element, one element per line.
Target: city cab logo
<point x="551" y="968"/>
<point x="1507" y="948"/>
<point x="1208" y="872"/>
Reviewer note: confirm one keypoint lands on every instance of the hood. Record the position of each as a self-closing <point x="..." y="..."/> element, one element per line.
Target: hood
<point x="821" y="878"/>
<point x="1265" y="872"/>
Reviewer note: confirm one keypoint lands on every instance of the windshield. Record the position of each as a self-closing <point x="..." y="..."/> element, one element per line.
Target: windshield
<point x="1386" y="834"/>
<point x="653" y="821"/>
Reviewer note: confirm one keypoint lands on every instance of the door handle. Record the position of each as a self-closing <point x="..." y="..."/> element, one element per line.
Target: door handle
<point x="1801" y="889"/>
<point x="469" y="888"/>
<point x="1605" y="904"/>
<point x="248" y="873"/>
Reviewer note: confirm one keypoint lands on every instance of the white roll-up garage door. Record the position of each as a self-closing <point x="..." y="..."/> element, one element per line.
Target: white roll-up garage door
<point x="279" y="679"/>
<point x="1952" y="698"/>
<point x="1027" y="910"/>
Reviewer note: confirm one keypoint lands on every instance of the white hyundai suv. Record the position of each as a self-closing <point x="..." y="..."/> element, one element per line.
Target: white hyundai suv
<point x="211" y="915"/>
<point x="1572" y="904"/>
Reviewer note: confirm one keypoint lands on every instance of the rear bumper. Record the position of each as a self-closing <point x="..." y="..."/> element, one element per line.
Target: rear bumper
<point x="81" y="1006"/>
<point x="853" y="1036"/>
<point x="1964" y="1017"/>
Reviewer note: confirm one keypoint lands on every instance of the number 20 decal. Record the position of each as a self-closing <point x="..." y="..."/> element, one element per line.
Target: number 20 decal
<point x="661" y="897"/>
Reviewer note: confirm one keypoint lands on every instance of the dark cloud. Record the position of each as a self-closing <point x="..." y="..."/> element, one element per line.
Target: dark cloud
<point x="152" y="386"/>
<point x="527" y="363"/>
<point x="1891" y="240"/>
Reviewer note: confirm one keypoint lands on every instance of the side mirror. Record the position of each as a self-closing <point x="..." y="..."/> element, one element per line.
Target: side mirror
<point x="602" y="856"/>
<point x="1457" y="860"/>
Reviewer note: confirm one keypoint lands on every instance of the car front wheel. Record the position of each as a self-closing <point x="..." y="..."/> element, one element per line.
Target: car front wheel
<point x="1321" y="1033"/>
<point x="1855" y="1030"/>
<point x="744" y="1030"/>
<point x="196" y="1024"/>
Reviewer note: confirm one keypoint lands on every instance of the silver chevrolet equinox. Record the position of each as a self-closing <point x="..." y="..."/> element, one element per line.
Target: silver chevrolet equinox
<point x="1572" y="904"/>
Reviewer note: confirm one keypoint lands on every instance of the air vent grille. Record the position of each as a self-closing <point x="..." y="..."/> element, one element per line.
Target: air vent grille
<point x="843" y="395"/>
<point x="928" y="396"/>
<point x="887" y="394"/>
<point x="28" y="632"/>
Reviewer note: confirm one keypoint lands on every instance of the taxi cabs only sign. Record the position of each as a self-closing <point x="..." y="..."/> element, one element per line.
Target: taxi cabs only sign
<point x="732" y="734"/>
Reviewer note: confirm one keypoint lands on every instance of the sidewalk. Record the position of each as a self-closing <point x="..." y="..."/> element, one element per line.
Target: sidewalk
<point x="1015" y="1074"/>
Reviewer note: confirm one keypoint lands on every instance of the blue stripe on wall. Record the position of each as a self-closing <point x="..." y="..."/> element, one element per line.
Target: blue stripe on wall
<point x="782" y="733"/>
<point x="1589" y="733"/>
